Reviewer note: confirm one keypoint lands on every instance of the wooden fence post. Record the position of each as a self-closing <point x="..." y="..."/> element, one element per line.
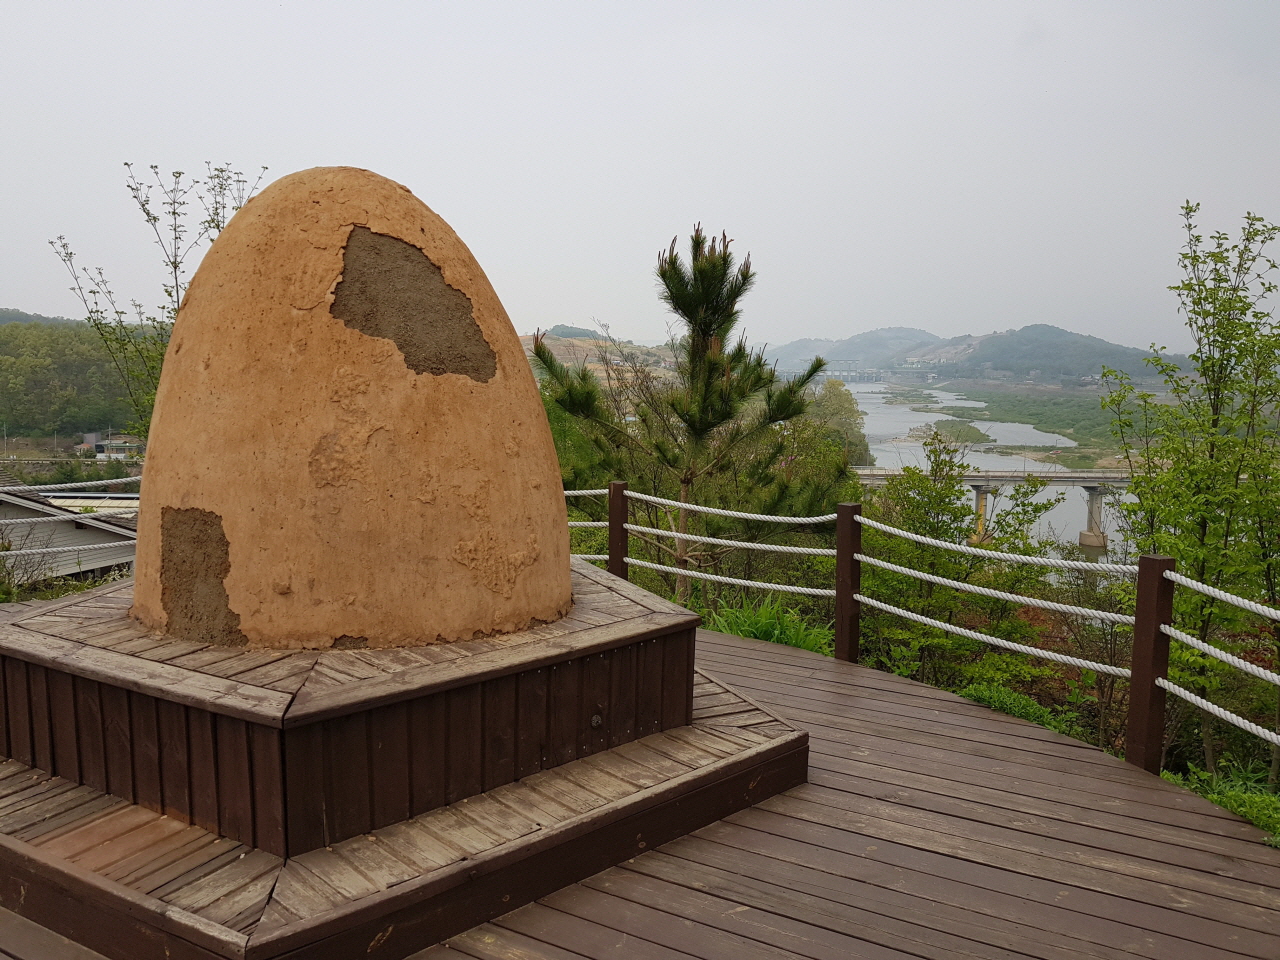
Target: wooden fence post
<point x="1144" y="737"/>
<point x="617" y="531"/>
<point x="848" y="580"/>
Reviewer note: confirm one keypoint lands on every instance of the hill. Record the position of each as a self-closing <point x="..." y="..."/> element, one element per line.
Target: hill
<point x="875" y="348"/>
<point x="566" y="332"/>
<point x="9" y="315"/>
<point x="1038" y="351"/>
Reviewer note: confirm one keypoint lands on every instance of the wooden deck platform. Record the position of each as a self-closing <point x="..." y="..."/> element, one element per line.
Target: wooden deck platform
<point x="931" y="828"/>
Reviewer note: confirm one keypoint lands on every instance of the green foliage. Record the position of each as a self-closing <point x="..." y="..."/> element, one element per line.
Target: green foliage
<point x="1081" y="418"/>
<point x="769" y="619"/>
<point x="57" y="377"/>
<point x="136" y="339"/>
<point x="1242" y="790"/>
<point x="1203" y="462"/>
<point x="723" y="429"/>
<point x="960" y="432"/>
<point x="836" y="409"/>
<point x="1009" y="701"/>
<point x="9" y="315"/>
<point x="52" y="588"/>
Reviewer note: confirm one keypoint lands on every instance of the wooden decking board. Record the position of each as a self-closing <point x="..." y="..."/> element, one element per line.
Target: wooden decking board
<point x="963" y="713"/>
<point x="1075" y="848"/>
<point x="930" y="829"/>
<point x="1085" y="826"/>
<point x="772" y="924"/>
<point x="584" y="937"/>
<point x="669" y="930"/>
<point x="734" y="871"/>
<point x="1116" y="781"/>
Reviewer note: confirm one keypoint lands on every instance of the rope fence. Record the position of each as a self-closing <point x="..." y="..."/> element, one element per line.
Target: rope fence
<point x="716" y="541"/>
<point x="1053" y="562"/>
<point x="1152" y="621"/>
<point x="1271" y="613"/>
<point x="1224" y="715"/>
<point x="75" y="548"/>
<point x="1211" y="651"/>
<point x="732" y="581"/>
<point x="716" y="511"/>
<point x="1018" y="598"/>
<point x="74" y="518"/>
<point x="995" y="641"/>
<point x="80" y="485"/>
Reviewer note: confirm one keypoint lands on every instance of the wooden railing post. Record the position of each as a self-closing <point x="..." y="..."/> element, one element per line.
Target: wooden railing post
<point x="1144" y="737"/>
<point x="617" y="530"/>
<point x="848" y="580"/>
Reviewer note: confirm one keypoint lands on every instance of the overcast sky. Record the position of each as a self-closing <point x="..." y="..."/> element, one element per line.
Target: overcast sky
<point x="960" y="167"/>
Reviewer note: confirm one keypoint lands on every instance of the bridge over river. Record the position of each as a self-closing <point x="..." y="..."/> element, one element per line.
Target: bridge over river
<point x="987" y="482"/>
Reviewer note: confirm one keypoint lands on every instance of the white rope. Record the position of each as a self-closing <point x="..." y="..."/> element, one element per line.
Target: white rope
<point x="1000" y="594"/>
<point x="44" y="551"/>
<point x="586" y="493"/>
<point x="770" y="547"/>
<point x="1225" y="715"/>
<point x="75" y="517"/>
<point x="1119" y="568"/>
<point x="827" y="518"/>
<point x="699" y="575"/>
<point x="994" y="641"/>
<point x="591" y="556"/>
<point x="43" y="488"/>
<point x="1239" y="664"/>
<point x="1271" y="613"/>
<point x="588" y="524"/>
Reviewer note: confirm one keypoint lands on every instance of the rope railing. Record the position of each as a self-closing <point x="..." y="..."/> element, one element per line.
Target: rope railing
<point x="587" y="524"/>
<point x="1271" y="613"/>
<point x="1151" y="622"/>
<point x="737" y="515"/>
<point x="716" y="541"/>
<point x="1230" y="659"/>
<point x="80" y="485"/>
<point x="1102" y="615"/>
<point x="995" y="641"/>
<point x="1053" y="562"/>
<point x="75" y="548"/>
<point x="732" y="581"/>
<point x="1225" y="716"/>
<point x="70" y="518"/>
<point x="586" y="493"/>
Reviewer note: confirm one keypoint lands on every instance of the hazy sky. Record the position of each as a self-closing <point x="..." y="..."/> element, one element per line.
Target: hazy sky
<point x="961" y="167"/>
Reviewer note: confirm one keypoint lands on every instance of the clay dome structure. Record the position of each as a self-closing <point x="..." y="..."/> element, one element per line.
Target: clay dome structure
<point x="348" y="447"/>
<point x="358" y="697"/>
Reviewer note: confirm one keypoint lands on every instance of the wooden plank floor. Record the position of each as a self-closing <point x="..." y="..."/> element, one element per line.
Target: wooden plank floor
<point x="931" y="827"/>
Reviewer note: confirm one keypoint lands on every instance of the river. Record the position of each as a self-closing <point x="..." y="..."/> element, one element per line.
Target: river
<point x="887" y="426"/>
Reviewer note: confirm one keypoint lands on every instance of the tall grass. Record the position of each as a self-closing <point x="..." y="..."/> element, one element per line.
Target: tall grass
<point x="769" y="619"/>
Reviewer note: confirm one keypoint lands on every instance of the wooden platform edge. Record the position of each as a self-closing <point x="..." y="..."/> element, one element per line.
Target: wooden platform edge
<point x="105" y="916"/>
<point x="150" y="677"/>
<point x="438" y="677"/>
<point x="400" y="922"/>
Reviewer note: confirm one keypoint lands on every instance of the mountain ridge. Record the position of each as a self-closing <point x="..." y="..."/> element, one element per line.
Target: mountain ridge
<point x="1038" y="350"/>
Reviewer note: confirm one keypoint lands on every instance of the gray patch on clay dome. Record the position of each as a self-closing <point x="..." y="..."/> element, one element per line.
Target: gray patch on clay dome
<point x="390" y="289"/>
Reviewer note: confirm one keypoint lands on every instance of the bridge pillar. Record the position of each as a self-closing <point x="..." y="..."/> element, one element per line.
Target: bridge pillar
<point x="981" y="505"/>
<point x="1093" y="537"/>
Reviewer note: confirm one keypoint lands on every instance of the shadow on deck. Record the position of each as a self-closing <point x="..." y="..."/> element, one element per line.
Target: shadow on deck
<point x="931" y="827"/>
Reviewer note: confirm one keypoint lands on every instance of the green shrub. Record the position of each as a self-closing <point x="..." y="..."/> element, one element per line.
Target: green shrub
<point x="1008" y="701"/>
<point x="1242" y="791"/>
<point x="770" y="620"/>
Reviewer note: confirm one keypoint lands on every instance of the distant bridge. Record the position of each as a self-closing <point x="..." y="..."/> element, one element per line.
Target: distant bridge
<point x="987" y="482"/>
<point x="875" y="476"/>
